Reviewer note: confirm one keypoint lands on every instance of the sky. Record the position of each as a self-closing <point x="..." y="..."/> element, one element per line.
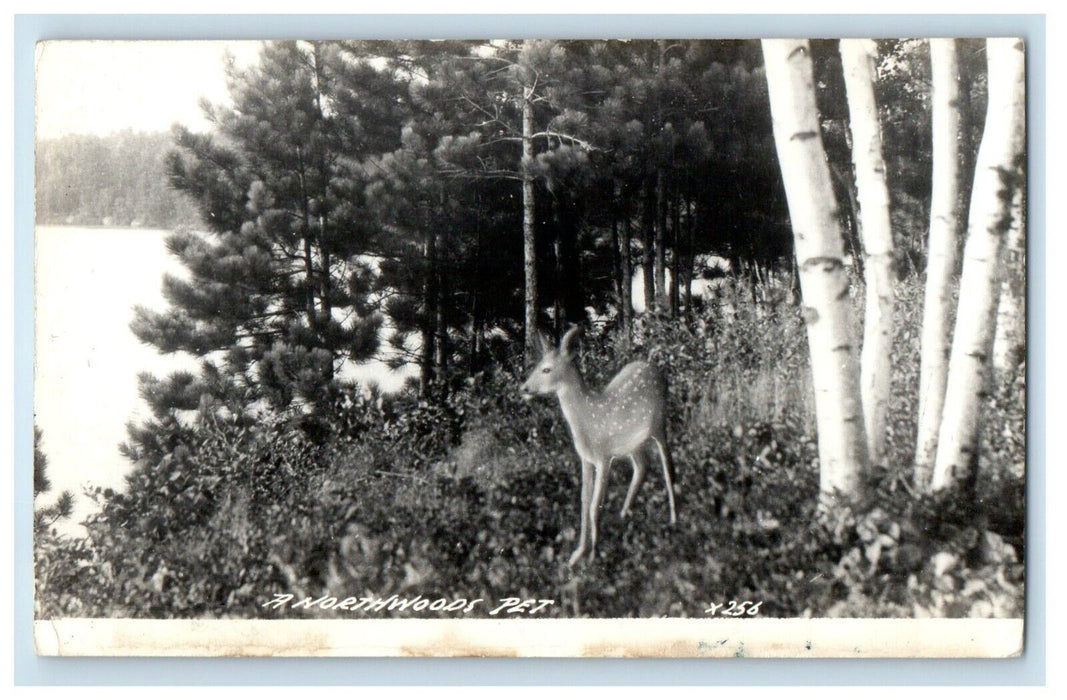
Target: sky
<point x="89" y="279"/>
<point x="97" y="87"/>
<point x="86" y="359"/>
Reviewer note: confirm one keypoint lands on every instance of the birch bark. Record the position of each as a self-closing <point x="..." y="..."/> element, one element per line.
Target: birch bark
<point x="996" y="177"/>
<point x="941" y="254"/>
<point x="858" y="59"/>
<point x="824" y="284"/>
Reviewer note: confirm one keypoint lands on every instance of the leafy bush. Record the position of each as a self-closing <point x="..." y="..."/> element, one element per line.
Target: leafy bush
<point x="475" y="495"/>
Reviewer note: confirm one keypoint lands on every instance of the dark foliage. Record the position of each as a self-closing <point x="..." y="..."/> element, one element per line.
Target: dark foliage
<point x="44" y="516"/>
<point x="475" y="496"/>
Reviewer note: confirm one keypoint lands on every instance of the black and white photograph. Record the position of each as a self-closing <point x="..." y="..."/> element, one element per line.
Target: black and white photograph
<point x="531" y="347"/>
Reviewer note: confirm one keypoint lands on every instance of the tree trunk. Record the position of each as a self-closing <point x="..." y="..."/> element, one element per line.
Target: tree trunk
<point x="309" y="264"/>
<point x="309" y="273"/>
<point x="619" y="263"/>
<point x="675" y="254"/>
<point x="997" y="175"/>
<point x="441" y="349"/>
<point x="969" y="139"/>
<point x="529" y="240"/>
<point x="690" y="256"/>
<point x="854" y="227"/>
<point x="660" y="243"/>
<point x="941" y="254"/>
<point x="858" y="58"/>
<point x="616" y="256"/>
<point x="324" y="300"/>
<point x="794" y="283"/>
<point x="324" y="260"/>
<point x="661" y="186"/>
<point x="474" y="348"/>
<point x="820" y="255"/>
<point x="558" y="322"/>
<point x="429" y="314"/>
<point x="1009" y="344"/>
<point x="568" y="300"/>
<point x="324" y="191"/>
<point x="648" y="223"/>
<point x="627" y="280"/>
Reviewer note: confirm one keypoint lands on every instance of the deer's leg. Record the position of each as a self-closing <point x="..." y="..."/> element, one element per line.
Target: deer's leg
<point x="599" y="491"/>
<point x="661" y="443"/>
<point x="583" y="532"/>
<point x="639" y="474"/>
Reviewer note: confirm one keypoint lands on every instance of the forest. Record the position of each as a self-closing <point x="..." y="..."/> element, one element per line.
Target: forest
<point x="435" y="204"/>
<point x="113" y="180"/>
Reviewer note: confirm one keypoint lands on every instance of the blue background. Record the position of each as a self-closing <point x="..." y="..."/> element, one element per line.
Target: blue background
<point x="32" y="670"/>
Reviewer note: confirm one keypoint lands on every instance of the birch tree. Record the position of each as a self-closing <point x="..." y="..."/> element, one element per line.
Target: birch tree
<point x="941" y="252"/>
<point x="997" y="175"/>
<point x="1009" y="344"/>
<point x="820" y="257"/>
<point x="858" y="59"/>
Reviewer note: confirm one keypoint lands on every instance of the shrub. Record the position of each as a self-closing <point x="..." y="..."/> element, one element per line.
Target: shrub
<point x="475" y="495"/>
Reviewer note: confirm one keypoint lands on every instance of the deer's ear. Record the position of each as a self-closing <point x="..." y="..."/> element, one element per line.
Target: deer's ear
<point x="543" y="342"/>
<point x="566" y="346"/>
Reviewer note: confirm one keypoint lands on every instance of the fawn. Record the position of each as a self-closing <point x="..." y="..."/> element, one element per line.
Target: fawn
<point x="620" y="421"/>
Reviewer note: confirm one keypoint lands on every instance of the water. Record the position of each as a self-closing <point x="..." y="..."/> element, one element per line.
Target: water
<point x="86" y="358"/>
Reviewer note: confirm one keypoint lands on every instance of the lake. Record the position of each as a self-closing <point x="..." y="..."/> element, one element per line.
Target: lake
<point x="86" y="358"/>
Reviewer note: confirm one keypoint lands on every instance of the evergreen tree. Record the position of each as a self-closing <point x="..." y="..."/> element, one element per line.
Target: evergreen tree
<point x="41" y="483"/>
<point x="279" y="293"/>
<point x="354" y="183"/>
<point x="63" y="506"/>
<point x="440" y="208"/>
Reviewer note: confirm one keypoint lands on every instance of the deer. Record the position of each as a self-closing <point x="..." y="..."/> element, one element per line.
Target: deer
<point x="624" y="419"/>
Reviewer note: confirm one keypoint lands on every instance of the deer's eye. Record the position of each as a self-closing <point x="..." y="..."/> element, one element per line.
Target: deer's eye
<point x="546" y="370"/>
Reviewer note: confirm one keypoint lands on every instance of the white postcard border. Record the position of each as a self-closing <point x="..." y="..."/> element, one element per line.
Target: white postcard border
<point x="625" y="638"/>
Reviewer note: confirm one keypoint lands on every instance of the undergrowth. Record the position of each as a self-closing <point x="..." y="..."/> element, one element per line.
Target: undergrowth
<point x="475" y="496"/>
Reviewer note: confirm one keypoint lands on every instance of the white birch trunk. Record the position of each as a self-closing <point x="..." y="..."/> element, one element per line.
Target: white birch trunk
<point x="997" y="174"/>
<point x="1009" y="344"/>
<point x="941" y="254"/>
<point x="858" y="59"/>
<point x="820" y="257"/>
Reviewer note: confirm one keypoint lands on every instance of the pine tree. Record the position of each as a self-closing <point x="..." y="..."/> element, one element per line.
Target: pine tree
<point x="41" y="483"/>
<point x="444" y="203"/>
<point x="63" y="506"/>
<point x="277" y="295"/>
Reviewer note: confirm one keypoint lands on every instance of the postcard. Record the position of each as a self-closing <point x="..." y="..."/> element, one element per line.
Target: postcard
<point x="625" y="348"/>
